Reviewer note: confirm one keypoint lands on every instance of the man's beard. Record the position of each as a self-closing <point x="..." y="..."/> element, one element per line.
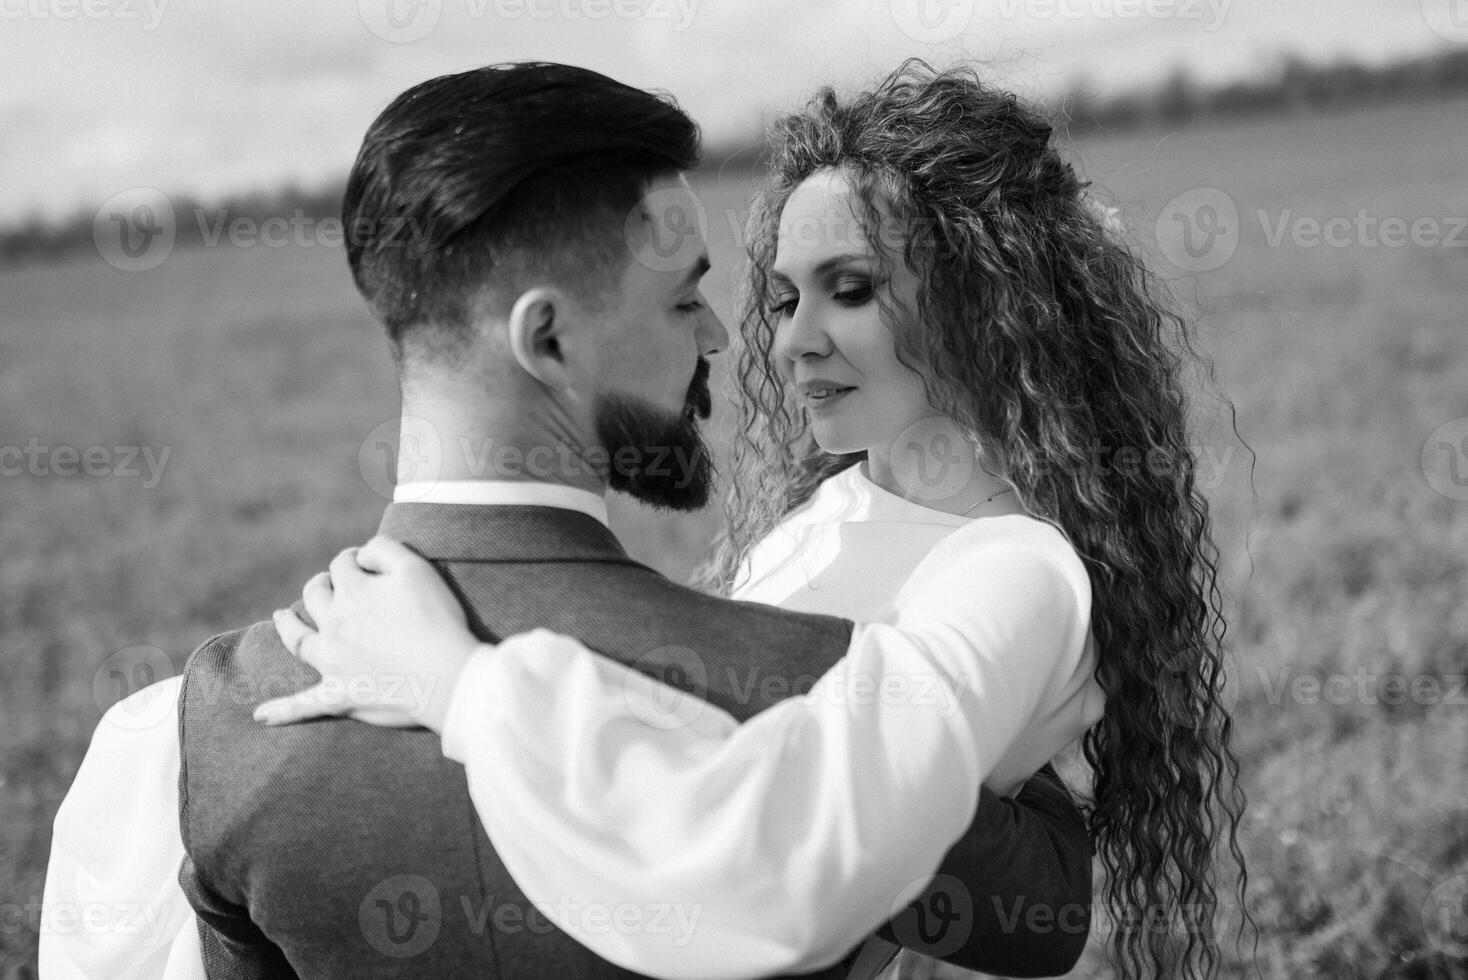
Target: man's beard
<point x="657" y="457"/>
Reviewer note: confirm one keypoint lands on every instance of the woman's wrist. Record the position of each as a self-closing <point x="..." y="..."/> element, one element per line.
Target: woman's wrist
<point x="444" y="682"/>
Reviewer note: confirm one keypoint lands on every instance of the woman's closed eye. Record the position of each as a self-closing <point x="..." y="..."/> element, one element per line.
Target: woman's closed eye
<point x="848" y="292"/>
<point x="853" y="292"/>
<point x="783" y="306"/>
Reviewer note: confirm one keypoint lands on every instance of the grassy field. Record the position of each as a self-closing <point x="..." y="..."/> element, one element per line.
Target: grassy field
<point x="260" y="374"/>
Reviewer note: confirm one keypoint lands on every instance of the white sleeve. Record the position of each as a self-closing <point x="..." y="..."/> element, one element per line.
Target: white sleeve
<point x="112" y="905"/>
<point x="727" y="850"/>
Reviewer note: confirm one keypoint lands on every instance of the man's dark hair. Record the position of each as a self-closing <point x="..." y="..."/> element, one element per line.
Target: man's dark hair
<point x="468" y="181"/>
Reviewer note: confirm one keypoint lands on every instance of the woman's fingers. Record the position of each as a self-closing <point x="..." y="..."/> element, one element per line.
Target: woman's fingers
<point x="311" y="651"/>
<point x="292" y="630"/>
<point x="381" y="614"/>
<point x="310" y="703"/>
<point x="384" y="555"/>
<point x="317" y="596"/>
<point x="302" y="641"/>
<point x="345" y="572"/>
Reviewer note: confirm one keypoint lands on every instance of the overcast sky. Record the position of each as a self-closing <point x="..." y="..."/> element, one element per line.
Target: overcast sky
<point x="218" y="96"/>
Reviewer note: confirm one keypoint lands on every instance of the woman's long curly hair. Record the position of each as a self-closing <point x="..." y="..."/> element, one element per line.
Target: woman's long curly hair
<point x="1038" y="329"/>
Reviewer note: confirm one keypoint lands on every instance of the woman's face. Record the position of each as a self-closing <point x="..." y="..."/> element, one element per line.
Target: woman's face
<point x="831" y="343"/>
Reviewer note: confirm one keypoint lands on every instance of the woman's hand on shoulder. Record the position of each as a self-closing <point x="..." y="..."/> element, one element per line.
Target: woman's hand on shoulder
<point x="389" y="640"/>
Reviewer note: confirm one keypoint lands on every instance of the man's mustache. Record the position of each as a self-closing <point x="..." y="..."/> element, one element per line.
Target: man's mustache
<point x="700" y="402"/>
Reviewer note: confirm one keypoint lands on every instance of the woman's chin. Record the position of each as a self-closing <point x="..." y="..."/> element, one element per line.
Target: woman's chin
<point x="837" y="443"/>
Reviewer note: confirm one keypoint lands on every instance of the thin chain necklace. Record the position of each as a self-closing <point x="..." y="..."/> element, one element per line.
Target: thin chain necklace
<point x="981" y="503"/>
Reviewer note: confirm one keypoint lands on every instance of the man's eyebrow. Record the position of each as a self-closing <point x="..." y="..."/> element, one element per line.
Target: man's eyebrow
<point x="696" y="273"/>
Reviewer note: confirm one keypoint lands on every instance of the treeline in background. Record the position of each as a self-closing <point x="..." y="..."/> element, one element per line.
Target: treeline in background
<point x="1296" y="85"/>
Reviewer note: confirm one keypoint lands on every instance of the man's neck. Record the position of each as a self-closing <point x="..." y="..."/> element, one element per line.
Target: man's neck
<point x="442" y="439"/>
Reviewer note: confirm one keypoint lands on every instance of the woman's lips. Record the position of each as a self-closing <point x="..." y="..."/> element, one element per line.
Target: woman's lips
<point x="820" y="398"/>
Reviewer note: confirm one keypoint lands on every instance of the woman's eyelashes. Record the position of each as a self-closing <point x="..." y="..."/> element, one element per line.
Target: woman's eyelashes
<point x="853" y="292"/>
<point x="782" y="306"/>
<point x="848" y="292"/>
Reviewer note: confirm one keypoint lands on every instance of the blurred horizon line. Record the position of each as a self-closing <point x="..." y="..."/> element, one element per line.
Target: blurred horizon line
<point x="1298" y="85"/>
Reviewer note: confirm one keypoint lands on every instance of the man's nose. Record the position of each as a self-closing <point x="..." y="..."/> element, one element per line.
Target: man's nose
<point x="713" y="336"/>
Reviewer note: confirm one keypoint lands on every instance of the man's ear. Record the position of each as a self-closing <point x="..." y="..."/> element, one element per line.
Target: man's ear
<point x="538" y="323"/>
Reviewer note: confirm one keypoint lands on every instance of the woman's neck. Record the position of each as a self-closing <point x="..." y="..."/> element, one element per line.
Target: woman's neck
<point x="942" y="476"/>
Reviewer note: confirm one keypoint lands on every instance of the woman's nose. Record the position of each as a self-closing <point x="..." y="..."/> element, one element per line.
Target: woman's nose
<point x="802" y="337"/>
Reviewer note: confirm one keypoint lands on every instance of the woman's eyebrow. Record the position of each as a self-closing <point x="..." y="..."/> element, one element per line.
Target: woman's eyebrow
<point x="825" y="265"/>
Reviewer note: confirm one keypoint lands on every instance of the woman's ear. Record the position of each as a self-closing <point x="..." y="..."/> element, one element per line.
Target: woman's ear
<point x="538" y="324"/>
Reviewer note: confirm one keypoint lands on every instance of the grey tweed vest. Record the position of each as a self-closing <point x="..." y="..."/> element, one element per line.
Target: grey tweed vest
<point x="338" y="849"/>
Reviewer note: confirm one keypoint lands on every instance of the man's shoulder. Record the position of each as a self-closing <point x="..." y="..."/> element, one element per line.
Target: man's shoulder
<point x="224" y="645"/>
<point x="688" y="601"/>
<point x="740" y="625"/>
<point x="144" y="724"/>
<point x="636" y="599"/>
<point x="239" y="669"/>
<point x="742" y="656"/>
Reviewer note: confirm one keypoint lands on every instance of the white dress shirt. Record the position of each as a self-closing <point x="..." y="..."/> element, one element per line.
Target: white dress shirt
<point x="112" y="908"/>
<point x="506" y="493"/>
<point x="787" y="839"/>
<point x="754" y="854"/>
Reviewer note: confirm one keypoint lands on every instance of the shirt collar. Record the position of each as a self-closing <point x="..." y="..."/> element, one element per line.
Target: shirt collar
<point x="503" y="492"/>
